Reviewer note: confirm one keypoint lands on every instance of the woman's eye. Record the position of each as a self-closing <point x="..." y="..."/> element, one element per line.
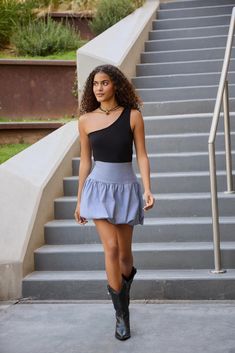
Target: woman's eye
<point x="105" y="83"/>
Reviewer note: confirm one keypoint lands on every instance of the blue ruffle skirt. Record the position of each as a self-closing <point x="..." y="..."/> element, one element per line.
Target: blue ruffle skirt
<point x="111" y="191"/>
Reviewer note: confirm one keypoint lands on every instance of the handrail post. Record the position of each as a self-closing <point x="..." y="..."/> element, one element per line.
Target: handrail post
<point x="215" y="209"/>
<point x="227" y="138"/>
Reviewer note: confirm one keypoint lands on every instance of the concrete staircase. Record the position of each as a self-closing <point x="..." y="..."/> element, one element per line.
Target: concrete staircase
<point x="177" y="79"/>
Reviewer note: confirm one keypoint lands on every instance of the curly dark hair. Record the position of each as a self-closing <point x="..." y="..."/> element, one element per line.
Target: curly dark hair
<point x="125" y="92"/>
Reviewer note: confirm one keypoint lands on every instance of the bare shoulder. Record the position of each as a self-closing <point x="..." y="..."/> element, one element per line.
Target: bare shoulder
<point x="136" y="118"/>
<point x="84" y="120"/>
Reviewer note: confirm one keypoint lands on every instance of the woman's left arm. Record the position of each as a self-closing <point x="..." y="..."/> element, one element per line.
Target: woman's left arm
<point x="137" y="125"/>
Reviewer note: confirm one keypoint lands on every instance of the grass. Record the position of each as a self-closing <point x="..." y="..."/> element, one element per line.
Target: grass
<point x="9" y="150"/>
<point x="27" y="120"/>
<point x="70" y="55"/>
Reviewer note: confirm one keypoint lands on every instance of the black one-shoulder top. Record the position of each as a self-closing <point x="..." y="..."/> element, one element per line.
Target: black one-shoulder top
<point x="113" y="143"/>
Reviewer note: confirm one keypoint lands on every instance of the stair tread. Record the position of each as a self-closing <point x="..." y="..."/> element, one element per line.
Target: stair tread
<point x="179" y="75"/>
<point x="171" y="154"/>
<point x="180" y="50"/>
<point x="195" y="8"/>
<point x="185" y="38"/>
<point x="183" y="29"/>
<point x="155" y="246"/>
<point x="182" y="62"/>
<point x="169" y="196"/>
<point x="149" y="221"/>
<point x="162" y="175"/>
<point x="191" y="17"/>
<point x="178" y="88"/>
<point x="141" y="275"/>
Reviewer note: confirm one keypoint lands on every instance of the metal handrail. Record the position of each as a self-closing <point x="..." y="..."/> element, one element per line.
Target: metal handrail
<point x="222" y="93"/>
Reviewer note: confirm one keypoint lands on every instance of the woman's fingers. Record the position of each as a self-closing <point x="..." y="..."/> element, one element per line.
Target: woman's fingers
<point x="79" y="219"/>
<point x="149" y="202"/>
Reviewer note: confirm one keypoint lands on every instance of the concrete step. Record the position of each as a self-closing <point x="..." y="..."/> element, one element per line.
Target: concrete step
<point x="173" y="182"/>
<point x="179" y="229"/>
<point x="148" y="284"/>
<point x="179" y="204"/>
<point x="182" y="67"/>
<point x="174" y="162"/>
<point x="172" y="143"/>
<point x="184" y="55"/>
<point x="193" y="106"/>
<point x="195" y="12"/>
<point x="179" y="93"/>
<point x="186" y="43"/>
<point x="90" y="257"/>
<point x="183" y="123"/>
<point x="189" y="32"/>
<point x="187" y="80"/>
<point x="194" y="3"/>
<point x="202" y="21"/>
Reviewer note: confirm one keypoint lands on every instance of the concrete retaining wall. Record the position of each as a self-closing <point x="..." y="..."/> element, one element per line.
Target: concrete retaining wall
<point x="29" y="182"/>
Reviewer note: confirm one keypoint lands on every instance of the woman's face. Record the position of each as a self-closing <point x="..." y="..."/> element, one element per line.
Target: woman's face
<point x="103" y="87"/>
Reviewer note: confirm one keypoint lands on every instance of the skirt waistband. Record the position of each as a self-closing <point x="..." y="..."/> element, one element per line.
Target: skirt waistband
<point x="113" y="172"/>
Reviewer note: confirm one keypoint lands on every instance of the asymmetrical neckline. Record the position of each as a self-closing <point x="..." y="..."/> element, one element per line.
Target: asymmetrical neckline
<point x="106" y="127"/>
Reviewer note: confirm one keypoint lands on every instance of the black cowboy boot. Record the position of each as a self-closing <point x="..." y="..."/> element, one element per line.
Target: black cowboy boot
<point x="120" y="304"/>
<point x="129" y="281"/>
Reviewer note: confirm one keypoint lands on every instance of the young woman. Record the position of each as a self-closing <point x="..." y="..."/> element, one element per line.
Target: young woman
<point x="110" y="193"/>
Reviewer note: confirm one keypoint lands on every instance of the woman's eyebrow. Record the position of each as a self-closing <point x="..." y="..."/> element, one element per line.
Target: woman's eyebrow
<point x="101" y="81"/>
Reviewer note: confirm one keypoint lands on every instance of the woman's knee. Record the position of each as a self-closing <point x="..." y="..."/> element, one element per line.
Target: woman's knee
<point x="112" y="251"/>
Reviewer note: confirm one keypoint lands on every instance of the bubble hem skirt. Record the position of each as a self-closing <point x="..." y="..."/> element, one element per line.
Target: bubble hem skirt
<point x="111" y="191"/>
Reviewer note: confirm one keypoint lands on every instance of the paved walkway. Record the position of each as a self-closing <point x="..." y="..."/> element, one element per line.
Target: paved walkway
<point x="185" y="327"/>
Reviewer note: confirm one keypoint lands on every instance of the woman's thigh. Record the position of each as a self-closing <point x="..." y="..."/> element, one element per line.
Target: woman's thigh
<point x="107" y="233"/>
<point x="114" y="235"/>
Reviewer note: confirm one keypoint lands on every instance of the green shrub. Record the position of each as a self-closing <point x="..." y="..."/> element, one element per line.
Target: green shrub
<point x="44" y="37"/>
<point x="110" y="12"/>
<point x="13" y="13"/>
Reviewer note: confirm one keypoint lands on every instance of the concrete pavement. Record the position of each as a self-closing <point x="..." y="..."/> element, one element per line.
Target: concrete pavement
<point x="88" y="327"/>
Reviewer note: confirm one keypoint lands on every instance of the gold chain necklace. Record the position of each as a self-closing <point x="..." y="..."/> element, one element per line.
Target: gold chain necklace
<point x="107" y="111"/>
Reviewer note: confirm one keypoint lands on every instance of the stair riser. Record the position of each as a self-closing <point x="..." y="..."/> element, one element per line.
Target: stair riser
<point x="181" y="124"/>
<point x="169" y="184"/>
<point x="180" y="81"/>
<point x="187" y="93"/>
<point x="196" y="12"/>
<point x="217" y="288"/>
<point x="190" y="33"/>
<point x="203" y="21"/>
<point x="162" y="259"/>
<point x="150" y="233"/>
<point x="193" y="3"/>
<point x="164" y="208"/>
<point x="182" y="68"/>
<point x="184" y="55"/>
<point x="168" y="164"/>
<point x="189" y="43"/>
<point x="182" y="107"/>
<point x="188" y="143"/>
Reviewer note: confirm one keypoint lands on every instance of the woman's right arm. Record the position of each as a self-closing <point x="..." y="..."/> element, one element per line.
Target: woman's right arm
<point x="85" y="163"/>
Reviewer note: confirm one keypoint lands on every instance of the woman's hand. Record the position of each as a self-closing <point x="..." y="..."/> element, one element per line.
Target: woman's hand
<point x="149" y="200"/>
<point x="78" y="218"/>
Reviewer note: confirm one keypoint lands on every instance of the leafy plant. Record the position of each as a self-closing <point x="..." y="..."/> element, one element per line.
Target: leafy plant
<point x="13" y="13"/>
<point x="44" y="37"/>
<point x="110" y="12"/>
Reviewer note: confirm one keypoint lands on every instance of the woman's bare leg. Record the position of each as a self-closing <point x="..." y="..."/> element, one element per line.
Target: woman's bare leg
<point x="124" y="234"/>
<point x="109" y="238"/>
